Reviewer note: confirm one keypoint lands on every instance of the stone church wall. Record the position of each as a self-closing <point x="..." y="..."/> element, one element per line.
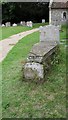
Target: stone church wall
<point x="57" y="16"/>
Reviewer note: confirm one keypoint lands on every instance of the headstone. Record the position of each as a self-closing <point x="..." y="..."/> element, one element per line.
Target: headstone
<point x="29" y="24"/>
<point x="14" y="25"/>
<point x="43" y="20"/>
<point x="22" y="23"/>
<point x="8" y="24"/>
<point x="2" y="25"/>
<point x="49" y="33"/>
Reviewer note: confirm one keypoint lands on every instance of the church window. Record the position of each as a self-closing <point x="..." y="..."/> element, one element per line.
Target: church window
<point x="64" y="15"/>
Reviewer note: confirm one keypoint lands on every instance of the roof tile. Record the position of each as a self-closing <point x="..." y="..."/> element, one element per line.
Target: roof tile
<point x="59" y="5"/>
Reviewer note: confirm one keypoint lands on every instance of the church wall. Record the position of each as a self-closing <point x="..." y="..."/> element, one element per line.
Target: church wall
<point x="57" y="16"/>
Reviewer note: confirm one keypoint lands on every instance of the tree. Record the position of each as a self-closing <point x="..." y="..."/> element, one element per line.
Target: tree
<point x="20" y="11"/>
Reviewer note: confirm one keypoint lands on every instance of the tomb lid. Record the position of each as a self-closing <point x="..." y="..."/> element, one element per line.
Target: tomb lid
<point x="40" y="50"/>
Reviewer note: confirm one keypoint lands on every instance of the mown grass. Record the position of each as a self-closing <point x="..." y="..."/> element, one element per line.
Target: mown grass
<point x="27" y="99"/>
<point x="36" y="25"/>
<point x="63" y="34"/>
<point x="6" y="32"/>
<point x="9" y="31"/>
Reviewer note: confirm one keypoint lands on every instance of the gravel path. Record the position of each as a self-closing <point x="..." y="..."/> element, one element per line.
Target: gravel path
<point x="7" y="44"/>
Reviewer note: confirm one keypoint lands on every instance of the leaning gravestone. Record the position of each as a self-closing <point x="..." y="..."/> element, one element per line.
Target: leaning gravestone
<point x="8" y="24"/>
<point x="42" y="53"/>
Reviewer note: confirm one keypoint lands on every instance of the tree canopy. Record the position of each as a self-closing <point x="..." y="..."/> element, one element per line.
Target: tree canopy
<point x="25" y="11"/>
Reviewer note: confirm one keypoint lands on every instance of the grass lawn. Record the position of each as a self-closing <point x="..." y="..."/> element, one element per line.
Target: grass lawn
<point x="28" y="99"/>
<point x="9" y="31"/>
<point x="36" y="25"/>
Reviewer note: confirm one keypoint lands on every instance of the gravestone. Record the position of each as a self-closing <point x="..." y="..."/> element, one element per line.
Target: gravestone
<point x="14" y="25"/>
<point x="43" y="20"/>
<point x="2" y="25"/>
<point x="22" y="23"/>
<point x="42" y="54"/>
<point x="29" y="24"/>
<point x="49" y="33"/>
<point x="8" y="24"/>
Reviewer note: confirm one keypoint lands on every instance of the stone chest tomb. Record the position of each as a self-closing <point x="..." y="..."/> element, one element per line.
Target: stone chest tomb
<point x="42" y="53"/>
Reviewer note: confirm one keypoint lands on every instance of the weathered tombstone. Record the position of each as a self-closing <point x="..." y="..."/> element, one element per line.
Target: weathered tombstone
<point x="22" y="23"/>
<point x="2" y="25"/>
<point x="29" y="23"/>
<point x="8" y="24"/>
<point x="14" y="25"/>
<point x="43" y="20"/>
<point x="49" y="33"/>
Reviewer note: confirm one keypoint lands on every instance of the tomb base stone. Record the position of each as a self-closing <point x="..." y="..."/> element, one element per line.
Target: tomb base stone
<point x="33" y="71"/>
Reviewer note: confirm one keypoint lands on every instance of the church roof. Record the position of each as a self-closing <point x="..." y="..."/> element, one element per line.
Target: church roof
<point x="59" y="5"/>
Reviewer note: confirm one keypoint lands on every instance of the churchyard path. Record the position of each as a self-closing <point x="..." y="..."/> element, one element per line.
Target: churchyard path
<point x="7" y="44"/>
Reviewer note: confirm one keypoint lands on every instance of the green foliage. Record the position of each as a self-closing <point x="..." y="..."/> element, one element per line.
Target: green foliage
<point x="20" y="11"/>
<point x="3" y="1"/>
<point x="63" y="33"/>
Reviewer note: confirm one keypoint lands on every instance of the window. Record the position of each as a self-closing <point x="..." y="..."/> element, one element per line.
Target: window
<point x="64" y="15"/>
